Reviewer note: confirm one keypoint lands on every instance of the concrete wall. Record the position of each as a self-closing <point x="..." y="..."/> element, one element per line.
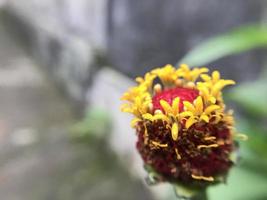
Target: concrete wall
<point x="145" y="34"/>
<point x="68" y="37"/>
<point x="64" y="36"/>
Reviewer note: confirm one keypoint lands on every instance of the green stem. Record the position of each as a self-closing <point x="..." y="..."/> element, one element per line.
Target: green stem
<point x="201" y="196"/>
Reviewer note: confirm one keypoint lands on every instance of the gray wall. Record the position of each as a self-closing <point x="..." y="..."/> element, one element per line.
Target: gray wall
<point x="145" y="34"/>
<point x="134" y="35"/>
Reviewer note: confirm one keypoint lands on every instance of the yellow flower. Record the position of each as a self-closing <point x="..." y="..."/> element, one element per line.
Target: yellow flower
<point x="181" y="121"/>
<point x="208" y="105"/>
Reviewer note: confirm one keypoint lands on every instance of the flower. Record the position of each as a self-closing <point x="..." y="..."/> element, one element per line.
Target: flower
<point x="185" y="135"/>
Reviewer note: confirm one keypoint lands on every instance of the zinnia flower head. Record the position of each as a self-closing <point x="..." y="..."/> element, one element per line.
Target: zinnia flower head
<point x="185" y="134"/>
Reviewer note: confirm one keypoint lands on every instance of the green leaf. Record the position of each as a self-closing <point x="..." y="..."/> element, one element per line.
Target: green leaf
<point x="251" y="96"/>
<point x="257" y="137"/>
<point x="237" y="41"/>
<point x="253" y="151"/>
<point x="242" y="184"/>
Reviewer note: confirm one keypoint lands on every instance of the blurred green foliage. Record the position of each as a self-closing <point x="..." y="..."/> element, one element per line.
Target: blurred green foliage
<point x="248" y="180"/>
<point x="236" y="41"/>
<point x="95" y="125"/>
<point x="252" y="97"/>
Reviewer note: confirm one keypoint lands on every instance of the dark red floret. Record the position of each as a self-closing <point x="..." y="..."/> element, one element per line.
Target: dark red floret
<point x="205" y="162"/>
<point x="181" y="159"/>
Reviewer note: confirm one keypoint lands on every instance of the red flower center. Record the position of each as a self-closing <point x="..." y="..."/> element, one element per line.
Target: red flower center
<point x="169" y="95"/>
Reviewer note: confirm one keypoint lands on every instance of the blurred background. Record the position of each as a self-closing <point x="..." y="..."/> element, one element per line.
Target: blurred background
<point x="64" y="65"/>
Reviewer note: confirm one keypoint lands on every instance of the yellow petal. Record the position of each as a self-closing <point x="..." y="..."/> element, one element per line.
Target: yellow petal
<point x="184" y="67"/>
<point x="211" y="108"/>
<point x="199" y="105"/>
<point x="220" y="85"/>
<point x="207" y="146"/>
<point x="203" y="89"/>
<point x="205" y="178"/>
<point x="175" y="105"/>
<point x="161" y="117"/>
<point x="190" y="122"/>
<point x="138" y="101"/>
<point x="205" y="77"/>
<point x="166" y="107"/>
<point x="139" y="79"/>
<point x="129" y="110"/>
<point x="216" y="75"/>
<point x="212" y="99"/>
<point x="134" y="121"/>
<point x="157" y="144"/>
<point x="186" y="114"/>
<point x="217" y="118"/>
<point x="203" y="69"/>
<point x="204" y="118"/>
<point x="178" y="156"/>
<point x="148" y="116"/>
<point x="189" y="107"/>
<point x="175" y="130"/>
